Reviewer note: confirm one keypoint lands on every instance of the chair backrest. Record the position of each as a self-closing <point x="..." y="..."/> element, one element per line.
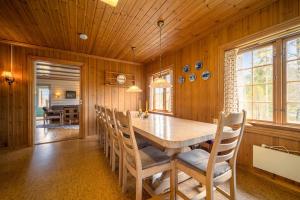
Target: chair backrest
<point x="111" y="124"/>
<point x="130" y="148"/>
<point x="228" y="138"/>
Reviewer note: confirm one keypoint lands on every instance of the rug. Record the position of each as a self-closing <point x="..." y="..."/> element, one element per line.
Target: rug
<point x="64" y="126"/>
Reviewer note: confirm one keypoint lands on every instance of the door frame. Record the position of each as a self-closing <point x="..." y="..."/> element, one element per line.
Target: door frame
<point x="31" y="60"/>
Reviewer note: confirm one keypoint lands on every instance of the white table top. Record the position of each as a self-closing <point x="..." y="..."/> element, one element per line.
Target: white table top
<point x="171" y="132"/>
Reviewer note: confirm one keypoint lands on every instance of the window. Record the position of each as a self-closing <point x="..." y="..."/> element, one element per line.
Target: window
<point x="292" y="80"/>
<point x="43" y="96"/>
<point x="161" y="98"/>
<point x="268" y="81"/>
<point x="255" y="82"/>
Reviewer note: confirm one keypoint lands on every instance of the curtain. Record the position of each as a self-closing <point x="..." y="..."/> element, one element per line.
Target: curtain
<point x="231" y="103"/>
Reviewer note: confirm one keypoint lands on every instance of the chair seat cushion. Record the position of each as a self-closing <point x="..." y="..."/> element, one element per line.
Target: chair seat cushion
<point x="198" y="159"/>
<point x="151" y="156"/>
<point x="141" y="142"/>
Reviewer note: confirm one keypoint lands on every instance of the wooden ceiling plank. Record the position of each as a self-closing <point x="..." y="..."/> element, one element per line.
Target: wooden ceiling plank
<point x="111" y="22"/>
<point x="147" y="19"/>
<point x="170" y="25"/>
<point x="111" y="31"/>
<point x="153" y="31"/>
<point x="131" y="16"/>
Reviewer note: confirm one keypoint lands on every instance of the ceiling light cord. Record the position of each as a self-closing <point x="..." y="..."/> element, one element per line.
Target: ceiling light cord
<point x="160" y="63"/>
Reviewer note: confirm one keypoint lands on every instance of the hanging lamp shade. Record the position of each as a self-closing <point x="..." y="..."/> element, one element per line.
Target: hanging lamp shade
<point x="160" y="82"/>
<point x="134" y="89"/>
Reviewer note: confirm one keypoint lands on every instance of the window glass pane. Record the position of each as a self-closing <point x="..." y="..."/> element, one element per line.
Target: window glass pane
<point x="162" y="98"/>
<point x="262" y="75"/>
<point x="244" y="77"/>
<point x="263" y="56"/>
<point x="158" y="98"/>
<point x="245" y="93"/>
<point x="244" y="60"/>
<point x="263" y="111"/>
<point x="248" y="107"/>
<point x="263" y="93"/>
<point x="293" y="71"/>
<point x="293" y="49"/>
<point x="293" y="112"/>
<point x="293" y="92"/>
<point x="43" y="97"/>
<point x="255" y="84"/>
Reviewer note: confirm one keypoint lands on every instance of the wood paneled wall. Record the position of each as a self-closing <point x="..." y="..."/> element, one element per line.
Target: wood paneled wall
<point x="200" y="100"/>
<point x="14" y="100"/>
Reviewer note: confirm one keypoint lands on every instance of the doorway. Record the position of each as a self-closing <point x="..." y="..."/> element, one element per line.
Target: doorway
<point x="57" y="102"/>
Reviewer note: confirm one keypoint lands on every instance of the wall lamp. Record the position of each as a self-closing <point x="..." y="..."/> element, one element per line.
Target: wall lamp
<point x="57" y="95"/>
<point x="8" y="77"/>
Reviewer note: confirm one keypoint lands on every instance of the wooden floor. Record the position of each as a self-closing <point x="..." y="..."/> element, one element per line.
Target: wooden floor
<point x="77" y="169"/>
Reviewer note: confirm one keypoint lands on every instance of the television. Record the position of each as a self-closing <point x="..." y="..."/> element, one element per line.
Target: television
<point x="70" y="94"/>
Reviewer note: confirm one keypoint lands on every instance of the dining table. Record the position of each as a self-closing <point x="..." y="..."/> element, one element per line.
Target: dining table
<point x="174" y="135"/>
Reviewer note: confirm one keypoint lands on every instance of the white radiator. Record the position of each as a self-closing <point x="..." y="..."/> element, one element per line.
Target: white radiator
<point x="277" y="162"/>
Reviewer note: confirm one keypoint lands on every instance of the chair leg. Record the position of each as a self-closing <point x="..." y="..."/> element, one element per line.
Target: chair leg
<point x="233" y="186"/>
<point x="124" y="176"/>
<point x="138" y="188"/>
<point x="111" y="152"/>
<point x="113" y="160"/>
<point x="209" y="190"/>
<point x="173" y="181"/>
<point x="120" y="169"/>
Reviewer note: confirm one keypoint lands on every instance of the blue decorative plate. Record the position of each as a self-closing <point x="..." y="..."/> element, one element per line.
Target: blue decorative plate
<point x="181" y="79"/>
<point x="198" y="65"/>
<point x="186" y="68"/>
<point x="192" y="77"/>
<point x="205" y="75"/>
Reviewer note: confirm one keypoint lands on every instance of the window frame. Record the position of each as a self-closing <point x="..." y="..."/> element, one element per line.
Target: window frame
<point x="279" y="80"/>
<point x="164" y="110"/>
<point x="284" y="81"/>
<point x="252" y="48"/>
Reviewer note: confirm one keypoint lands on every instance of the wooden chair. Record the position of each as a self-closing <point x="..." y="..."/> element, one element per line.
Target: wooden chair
<point x="102" y="127"/>
<point x="115" y="143"/>
<point x="97" y="118"/>
<point x="108" y="137"/>
<point x="141" y="163"/>
<point x="213" y="169"/>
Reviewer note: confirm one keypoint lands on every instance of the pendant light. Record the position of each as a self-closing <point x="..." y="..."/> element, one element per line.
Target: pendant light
<point x="134" y="88"/>
<point x="160" y="82"/>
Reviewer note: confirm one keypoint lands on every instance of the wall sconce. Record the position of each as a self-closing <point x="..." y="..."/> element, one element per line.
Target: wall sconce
<point x="57" y="95"/>
<point x="8" y="77"/>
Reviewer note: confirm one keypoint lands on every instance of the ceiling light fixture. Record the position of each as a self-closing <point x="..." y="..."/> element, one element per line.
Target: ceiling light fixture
<point x="134" y="88"/>
<point x="112" y="3"/>
<point x="160" y="82"/>
<point x="83" y="36"/>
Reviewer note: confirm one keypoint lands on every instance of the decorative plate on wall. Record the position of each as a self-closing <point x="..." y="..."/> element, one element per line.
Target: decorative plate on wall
<point x="181" y="79"/>
<point x="186" y="68"/>
<point x="121" y="79"/>
<point x="205" y="75"/>
<point x="192" y="77"/>
<point x="198" y="65"/>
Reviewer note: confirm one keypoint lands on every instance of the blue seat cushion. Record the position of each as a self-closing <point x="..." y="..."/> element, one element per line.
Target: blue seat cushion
<point x="198" y="160"/>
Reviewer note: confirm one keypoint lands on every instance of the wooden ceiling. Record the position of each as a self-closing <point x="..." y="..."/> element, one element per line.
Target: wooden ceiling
<point x="45" y="70"/>
<point x="113" y="30"/>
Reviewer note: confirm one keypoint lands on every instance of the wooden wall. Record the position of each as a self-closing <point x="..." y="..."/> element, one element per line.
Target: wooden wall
<point x="14" y="101"/>
<point x="200" y="100"/>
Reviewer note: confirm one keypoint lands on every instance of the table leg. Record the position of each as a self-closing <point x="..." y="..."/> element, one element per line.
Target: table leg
<point x="161" y="183"/>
